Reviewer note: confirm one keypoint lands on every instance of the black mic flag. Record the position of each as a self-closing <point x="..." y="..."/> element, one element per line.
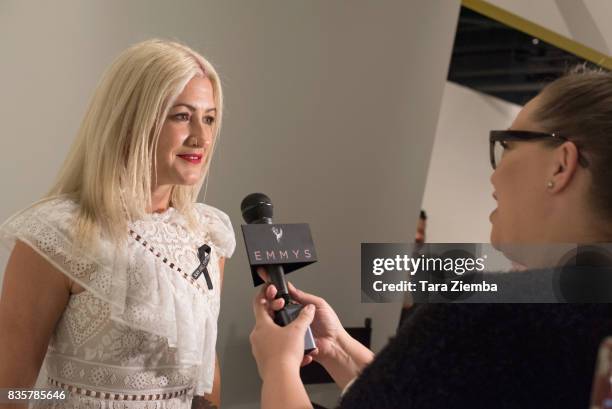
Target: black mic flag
<point x="276" y="247"/>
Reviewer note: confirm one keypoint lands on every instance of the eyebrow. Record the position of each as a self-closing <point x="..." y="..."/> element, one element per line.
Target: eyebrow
<point x="192" y="108"/>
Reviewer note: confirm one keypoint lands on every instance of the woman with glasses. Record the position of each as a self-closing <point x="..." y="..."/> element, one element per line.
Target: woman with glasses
<point x="552" y="181"/>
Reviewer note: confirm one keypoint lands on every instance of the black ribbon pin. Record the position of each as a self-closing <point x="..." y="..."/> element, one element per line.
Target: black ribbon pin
<point x="204" y="256"/>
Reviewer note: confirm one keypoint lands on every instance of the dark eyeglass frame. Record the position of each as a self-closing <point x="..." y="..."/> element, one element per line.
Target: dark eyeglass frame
<point x="512" y="135"/>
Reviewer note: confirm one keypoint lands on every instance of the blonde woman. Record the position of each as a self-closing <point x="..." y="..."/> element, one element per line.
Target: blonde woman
<point x="114" y="278"/>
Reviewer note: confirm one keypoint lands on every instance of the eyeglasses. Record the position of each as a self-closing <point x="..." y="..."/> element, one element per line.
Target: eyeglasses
<point x="497" y="144"/>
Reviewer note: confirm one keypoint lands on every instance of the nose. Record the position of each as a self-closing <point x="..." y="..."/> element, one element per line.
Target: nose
<point x="200" y="135"/>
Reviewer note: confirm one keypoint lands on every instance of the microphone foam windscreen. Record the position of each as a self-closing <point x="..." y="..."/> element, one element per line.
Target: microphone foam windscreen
<point x="256" y="206"/>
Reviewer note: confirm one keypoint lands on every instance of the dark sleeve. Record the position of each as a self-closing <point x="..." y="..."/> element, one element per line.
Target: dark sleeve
<point x="406" y="312"/>
<point x="486" y="356"/>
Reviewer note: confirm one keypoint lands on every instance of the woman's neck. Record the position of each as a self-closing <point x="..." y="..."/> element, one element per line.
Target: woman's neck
<point x="160" y="199"/>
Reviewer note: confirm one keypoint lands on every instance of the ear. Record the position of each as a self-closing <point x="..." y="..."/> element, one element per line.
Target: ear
<point x="564" y="166"/>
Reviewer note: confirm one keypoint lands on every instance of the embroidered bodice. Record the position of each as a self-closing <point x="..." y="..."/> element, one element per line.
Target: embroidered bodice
<point x="143" y="332"/>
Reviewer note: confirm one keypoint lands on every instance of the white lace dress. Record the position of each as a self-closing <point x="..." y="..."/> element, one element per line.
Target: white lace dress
<point x="143" y="333"/>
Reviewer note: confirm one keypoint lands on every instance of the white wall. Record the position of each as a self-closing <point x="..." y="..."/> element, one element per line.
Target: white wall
<point x="458" y="194"/>
<point x="331" y="110"/>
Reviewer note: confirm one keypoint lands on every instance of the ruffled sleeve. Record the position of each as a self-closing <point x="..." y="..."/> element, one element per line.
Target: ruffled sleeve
<point x="46" y="227"/>
<point x="219" y="226"/>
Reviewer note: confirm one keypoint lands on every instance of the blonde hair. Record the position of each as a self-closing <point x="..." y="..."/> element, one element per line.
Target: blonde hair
<point x="111" y="164"/>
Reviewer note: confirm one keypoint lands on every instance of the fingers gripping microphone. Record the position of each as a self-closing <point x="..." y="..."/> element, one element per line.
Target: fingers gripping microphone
<point x="257" y="208"/>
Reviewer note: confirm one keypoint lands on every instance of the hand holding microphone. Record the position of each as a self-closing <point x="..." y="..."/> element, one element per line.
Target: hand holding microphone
<point x="277" y="348"/>
<point x="326" y="327"/>
<point x="282" y="333"/>
<point x="257" y="209"/>
<point x="340" y="354"/>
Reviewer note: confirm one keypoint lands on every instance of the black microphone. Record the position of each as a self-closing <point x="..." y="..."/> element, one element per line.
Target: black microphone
<point x="257" y="208"/>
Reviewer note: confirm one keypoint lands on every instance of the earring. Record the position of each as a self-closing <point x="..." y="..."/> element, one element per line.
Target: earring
<point x="550" y="184"/>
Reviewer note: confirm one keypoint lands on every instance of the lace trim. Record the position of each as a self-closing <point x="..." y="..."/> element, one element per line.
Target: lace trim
<point x="148" y="377"/>
<point x="118" y="396"/>
<point x="171" y="265"/>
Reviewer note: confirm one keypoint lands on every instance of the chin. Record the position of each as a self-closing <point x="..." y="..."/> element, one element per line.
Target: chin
<point x="188" y="182"/>
<point x="495" y="244"/>
<point x="494" y="238"/>
<point x="189" y="179"/>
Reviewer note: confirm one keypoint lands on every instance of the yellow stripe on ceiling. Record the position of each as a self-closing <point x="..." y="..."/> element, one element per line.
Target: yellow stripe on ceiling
<point x="538" y="31"/>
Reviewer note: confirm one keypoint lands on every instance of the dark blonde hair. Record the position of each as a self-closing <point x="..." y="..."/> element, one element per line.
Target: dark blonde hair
<point x="579" y="106"/>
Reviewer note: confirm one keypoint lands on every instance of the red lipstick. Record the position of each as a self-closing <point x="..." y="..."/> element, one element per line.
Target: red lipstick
<point x="194" y="158"/>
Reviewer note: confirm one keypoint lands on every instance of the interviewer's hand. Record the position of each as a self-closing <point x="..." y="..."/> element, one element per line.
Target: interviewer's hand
<point x="273" y="346"/>
<point x="326" y="327"/>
